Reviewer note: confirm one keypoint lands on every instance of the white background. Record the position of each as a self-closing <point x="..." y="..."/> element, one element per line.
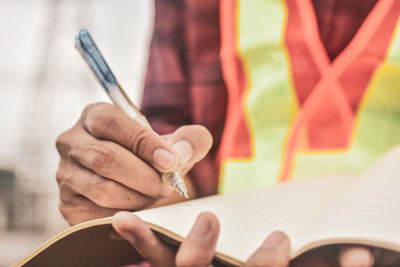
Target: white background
<point x="44" y="85"/>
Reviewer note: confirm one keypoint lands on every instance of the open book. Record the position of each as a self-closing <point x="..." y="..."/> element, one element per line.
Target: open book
<point x="313" y="213"/>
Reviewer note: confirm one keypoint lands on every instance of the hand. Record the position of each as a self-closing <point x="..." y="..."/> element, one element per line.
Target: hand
<point x="198" y="247"/>
<point x="110" y="162"/>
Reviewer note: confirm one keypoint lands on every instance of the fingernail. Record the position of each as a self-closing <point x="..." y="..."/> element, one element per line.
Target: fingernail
<point x="184" y="150"/>
<point x="164" y="159"/>
<point x="274" y="240"/>
<point x="200" y="228"/>
<point x="166" y="190"/>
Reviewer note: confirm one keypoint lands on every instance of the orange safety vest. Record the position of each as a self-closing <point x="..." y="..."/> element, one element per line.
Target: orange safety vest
<point x="293" y="114"/>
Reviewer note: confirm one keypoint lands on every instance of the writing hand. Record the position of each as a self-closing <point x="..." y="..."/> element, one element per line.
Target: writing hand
<point x="110" y="162"/>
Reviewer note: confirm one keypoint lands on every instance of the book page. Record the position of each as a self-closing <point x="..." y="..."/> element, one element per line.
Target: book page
<point x="368" y="212"/>
<point x="247" y="218"/>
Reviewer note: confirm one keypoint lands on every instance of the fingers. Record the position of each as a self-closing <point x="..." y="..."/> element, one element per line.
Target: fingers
<point x="104" y="121"/>
<point x="133" y="229"/>
<point x="275" y="251"/>
<point x="102" y="191"/>
<point x="360" y="256"/>
<point x="110" y="160"/>
<point x="186" y="146"/>
<point x="108" y="122"/>
<point x="198" y="248"/>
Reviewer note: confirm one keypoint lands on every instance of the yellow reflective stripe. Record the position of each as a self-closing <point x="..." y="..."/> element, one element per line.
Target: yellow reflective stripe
<point x="394" y="54"/>
<point x="270" y="102"/>
<point x="377" y="126"/>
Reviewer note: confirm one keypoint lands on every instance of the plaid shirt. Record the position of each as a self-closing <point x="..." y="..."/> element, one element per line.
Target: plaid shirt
<point x="184" y="83"/>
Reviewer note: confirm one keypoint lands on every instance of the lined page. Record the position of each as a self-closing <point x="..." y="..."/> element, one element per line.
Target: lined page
<point x="368" y="211"/>
<point x="248" y="218"/>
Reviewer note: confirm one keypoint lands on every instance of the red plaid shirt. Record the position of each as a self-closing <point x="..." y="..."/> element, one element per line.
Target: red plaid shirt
<point x="184" y="83"/>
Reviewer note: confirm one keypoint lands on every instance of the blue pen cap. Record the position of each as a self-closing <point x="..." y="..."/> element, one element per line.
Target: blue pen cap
<point x="94" y="58"/>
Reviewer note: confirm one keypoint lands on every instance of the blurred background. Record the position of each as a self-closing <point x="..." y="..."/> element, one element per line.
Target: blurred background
<point x="44" y="85"/>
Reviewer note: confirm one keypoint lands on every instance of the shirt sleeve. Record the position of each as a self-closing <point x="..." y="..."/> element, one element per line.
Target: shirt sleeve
<point x="184" y="83"/>
<point x="166" y="93"/>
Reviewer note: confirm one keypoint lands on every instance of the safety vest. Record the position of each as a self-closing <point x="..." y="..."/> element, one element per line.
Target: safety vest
<point x="292" y="113"/>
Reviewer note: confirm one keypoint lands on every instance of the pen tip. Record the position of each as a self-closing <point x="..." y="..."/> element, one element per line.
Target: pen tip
<point x="185" y="195"/>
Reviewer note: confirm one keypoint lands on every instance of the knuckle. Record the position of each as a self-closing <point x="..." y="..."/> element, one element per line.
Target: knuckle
<point x="98" y="119"/>
<point x="63" y="144"/>
<point x="59" y="176"/>
<point x="62" y="175"/>
<point x="65" y="193"/>
<point x="105" y="193"/>
<point x="141" y="140"/>
<point x="99" y="123"/>
<point x="65" y="175"/>
<point x="102" y="157"/>
<point x="62" y="208"/>
<point x="92" y="107"/>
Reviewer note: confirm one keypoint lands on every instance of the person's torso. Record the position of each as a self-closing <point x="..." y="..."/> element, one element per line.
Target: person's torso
<point x="293" y="112"/>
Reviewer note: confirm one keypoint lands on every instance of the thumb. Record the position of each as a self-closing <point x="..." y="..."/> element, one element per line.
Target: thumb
<point x="198" y="247"/>
<point x="275" y="251"/>
<point x="191" y="143"/>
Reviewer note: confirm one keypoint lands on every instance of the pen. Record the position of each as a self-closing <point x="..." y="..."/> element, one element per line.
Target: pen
<point x="89" y="51"/>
